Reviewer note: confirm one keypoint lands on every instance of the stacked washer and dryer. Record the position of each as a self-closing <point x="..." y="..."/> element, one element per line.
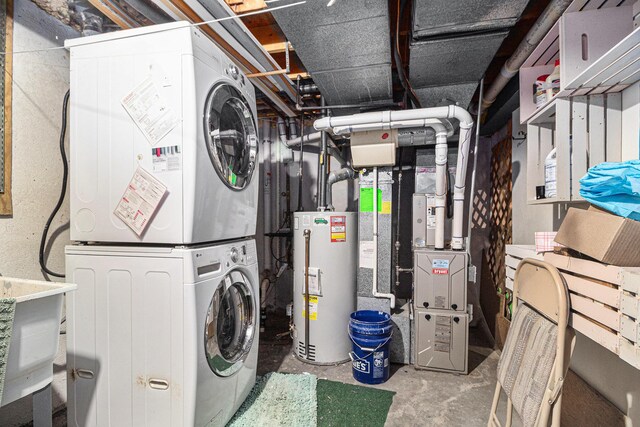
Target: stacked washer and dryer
<point x="163" y="327"/>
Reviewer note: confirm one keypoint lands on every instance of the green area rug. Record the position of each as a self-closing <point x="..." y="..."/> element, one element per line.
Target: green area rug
<point x="279" y="400"/>
<point x="342" y="404"/>
<point x="301" y="400"/>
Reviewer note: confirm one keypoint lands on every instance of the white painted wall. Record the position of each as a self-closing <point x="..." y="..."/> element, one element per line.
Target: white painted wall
<point x="39" y="83"/>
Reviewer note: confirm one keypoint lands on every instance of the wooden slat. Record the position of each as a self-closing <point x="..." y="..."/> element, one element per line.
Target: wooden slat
<point x="6" y="207"/>
<point x="606" y="273"/>
<point x="594" y="290"/>
<point x="596" y="311"/>
<point x="114" y="13"/>
<point x="563" y="151"/>
<point x="614" y="127"/>
<point x="579" y="139"/>
<point x="595" y="332"/>
<point x="278" y="47"/>
<point x="523" y="251"/>
<point x="596" y="130"/>
<point x="512" y="262"/>
<point x="629" y="329"/>
<point x="630" y="305"/>
<point x="623" y="56"/>
<point x="511" y="273"/>
<point x="509" y="283"/>
<point x="244" y="6"/>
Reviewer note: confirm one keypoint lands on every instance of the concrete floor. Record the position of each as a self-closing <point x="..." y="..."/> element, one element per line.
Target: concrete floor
<point x="423" y="398"/>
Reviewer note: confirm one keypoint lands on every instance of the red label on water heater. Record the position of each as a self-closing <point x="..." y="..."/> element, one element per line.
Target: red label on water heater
<point x="440" y="271"/>
<point x="338" y="229"/>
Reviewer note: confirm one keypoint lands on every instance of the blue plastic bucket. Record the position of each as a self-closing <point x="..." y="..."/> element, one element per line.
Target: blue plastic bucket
<point x="370" y="331"/>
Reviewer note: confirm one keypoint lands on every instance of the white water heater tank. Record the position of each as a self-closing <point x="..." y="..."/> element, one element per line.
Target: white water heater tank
<point x="330" y="240"/>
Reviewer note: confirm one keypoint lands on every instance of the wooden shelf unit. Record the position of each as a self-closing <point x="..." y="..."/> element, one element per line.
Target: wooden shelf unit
<point x="599" y="56"/>
<point x="586" y="32"/>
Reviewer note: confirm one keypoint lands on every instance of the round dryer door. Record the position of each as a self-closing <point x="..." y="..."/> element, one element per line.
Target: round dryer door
<point x="230" y="324"/>
<point x="230" y="135"/>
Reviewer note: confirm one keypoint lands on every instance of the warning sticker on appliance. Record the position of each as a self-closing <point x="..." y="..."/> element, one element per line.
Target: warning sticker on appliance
<point x="440" y="266"/>
<point x="431" y="212"/>
<point x="140" y="201"/>
<point x="166" y="159"/>
<point x="313" y="308"/>
<point x="150" y="111"/>
<point x="338" y="229"/>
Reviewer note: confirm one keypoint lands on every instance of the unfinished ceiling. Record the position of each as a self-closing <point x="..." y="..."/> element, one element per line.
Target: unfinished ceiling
<point x="453" y="43"/>
<point x="346" y="47"/>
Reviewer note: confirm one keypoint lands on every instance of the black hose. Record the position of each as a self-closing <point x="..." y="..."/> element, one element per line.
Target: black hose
<point x="63" y="190"/>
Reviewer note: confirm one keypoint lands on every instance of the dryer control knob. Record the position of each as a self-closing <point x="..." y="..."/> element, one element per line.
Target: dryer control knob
<point x="234" y="72"/>
<point x="234" y="255"/>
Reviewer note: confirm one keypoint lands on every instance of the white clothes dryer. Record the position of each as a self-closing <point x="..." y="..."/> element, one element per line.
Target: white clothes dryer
<point x="165" y="99"/>
<point x="161" y="336"/>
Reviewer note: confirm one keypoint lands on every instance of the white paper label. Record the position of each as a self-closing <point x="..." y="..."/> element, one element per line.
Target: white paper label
<point x="314" y="281"/>
<point x="150" y="111"/>
<point x="140" y="201"/>
<point x="431" y="212"/>
<point x="367" y="258"/>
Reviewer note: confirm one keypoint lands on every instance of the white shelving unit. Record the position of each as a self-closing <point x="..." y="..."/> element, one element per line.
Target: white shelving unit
<point x="599" y="53"/>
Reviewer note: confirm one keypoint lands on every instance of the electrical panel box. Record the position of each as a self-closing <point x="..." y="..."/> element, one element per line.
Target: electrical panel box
<point x="440" y="280"/>
<point x="441" y="341"/>
<point x="374" y="148"/>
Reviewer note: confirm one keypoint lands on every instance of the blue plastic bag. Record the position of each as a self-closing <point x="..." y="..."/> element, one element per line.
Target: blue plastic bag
<point x="614" y="187"/>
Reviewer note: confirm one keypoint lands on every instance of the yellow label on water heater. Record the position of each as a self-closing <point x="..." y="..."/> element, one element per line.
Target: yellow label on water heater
<point x="313" y="308"/>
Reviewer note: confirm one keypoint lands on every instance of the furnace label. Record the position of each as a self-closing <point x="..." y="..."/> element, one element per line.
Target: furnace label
<point x="440" y="266"/>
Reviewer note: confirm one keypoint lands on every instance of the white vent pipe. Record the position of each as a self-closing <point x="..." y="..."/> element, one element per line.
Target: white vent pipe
<point x="390" y="296"/>
<point x="408" y="118"/>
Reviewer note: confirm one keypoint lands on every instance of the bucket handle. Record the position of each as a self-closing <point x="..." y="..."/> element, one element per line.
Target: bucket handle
<point x="355" y="358"/>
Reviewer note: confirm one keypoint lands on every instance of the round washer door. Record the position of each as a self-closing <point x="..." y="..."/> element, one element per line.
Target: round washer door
<point x="230" y="135"/>
<point x="230" y="324"/>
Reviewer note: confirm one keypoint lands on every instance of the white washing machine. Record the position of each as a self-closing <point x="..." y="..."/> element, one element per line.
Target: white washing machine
<point x="161" y="336"/>
<point x="165" y="99"/>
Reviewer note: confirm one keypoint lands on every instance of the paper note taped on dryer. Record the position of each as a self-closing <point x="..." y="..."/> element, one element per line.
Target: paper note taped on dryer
<point x="140" y="201"/>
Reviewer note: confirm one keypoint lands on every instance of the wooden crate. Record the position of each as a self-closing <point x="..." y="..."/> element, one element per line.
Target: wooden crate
<point x="515" y="254"/>
<point x="605" y="303"/>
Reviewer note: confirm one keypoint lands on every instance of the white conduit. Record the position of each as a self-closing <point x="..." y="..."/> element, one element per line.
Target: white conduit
<point x="391" y="297"/>
<point x="409" y="118"/>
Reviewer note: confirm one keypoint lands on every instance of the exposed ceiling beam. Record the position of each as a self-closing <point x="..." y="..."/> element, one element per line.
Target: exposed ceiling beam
<point x="244" y="6"/>
<point x="278" y="47"/>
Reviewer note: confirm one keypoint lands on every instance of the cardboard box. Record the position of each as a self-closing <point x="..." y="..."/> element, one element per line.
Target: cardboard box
<point x="603" y="236"/>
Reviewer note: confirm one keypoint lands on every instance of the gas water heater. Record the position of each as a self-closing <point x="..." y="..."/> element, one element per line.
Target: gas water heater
<point x="324" y="286"/>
